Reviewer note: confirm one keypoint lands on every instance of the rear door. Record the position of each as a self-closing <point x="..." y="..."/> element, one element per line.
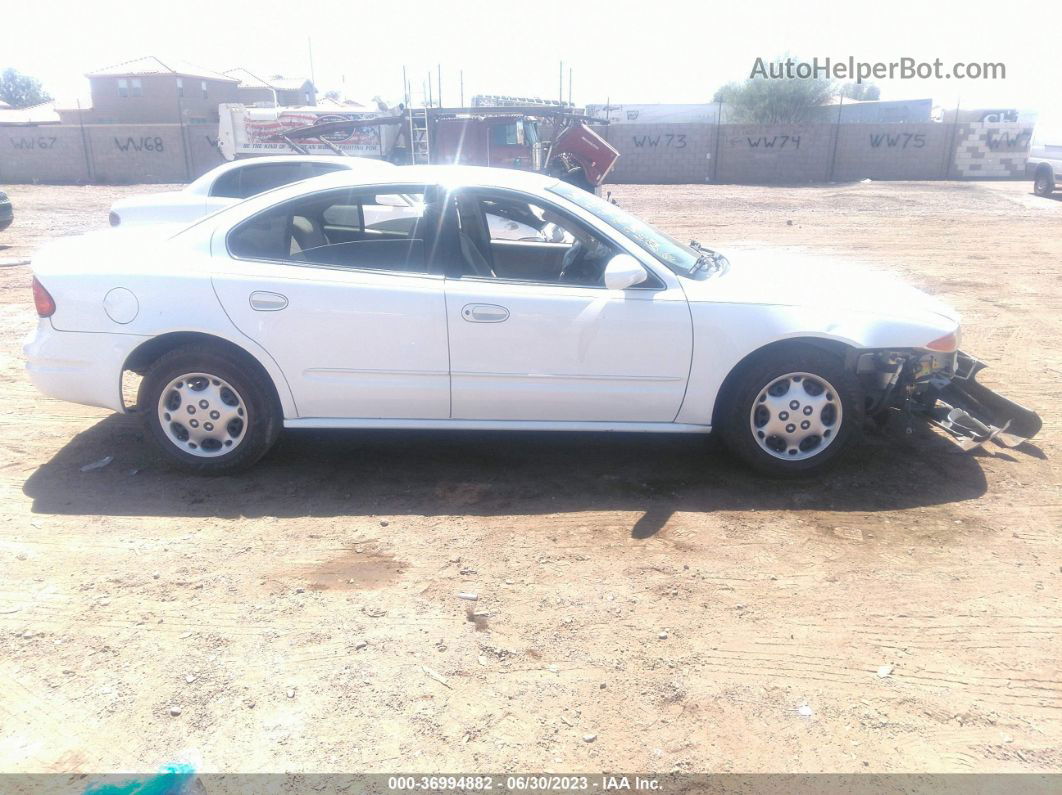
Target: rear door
<point x="356" y="321"/>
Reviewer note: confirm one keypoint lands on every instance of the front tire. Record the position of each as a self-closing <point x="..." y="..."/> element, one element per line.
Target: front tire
<point x="208" y="411"/>
<point x="1044" y="184"/>
<point x="792" y="411"/>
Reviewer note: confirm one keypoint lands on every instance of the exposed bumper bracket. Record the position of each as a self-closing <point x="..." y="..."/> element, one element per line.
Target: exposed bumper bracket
<point x="972" y="414"/>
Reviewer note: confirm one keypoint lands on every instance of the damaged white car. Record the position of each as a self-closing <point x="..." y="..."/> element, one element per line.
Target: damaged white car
<point x="470" y="298"/>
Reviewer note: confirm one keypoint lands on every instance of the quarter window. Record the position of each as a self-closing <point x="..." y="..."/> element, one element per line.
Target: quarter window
<point x="363" y="228"/>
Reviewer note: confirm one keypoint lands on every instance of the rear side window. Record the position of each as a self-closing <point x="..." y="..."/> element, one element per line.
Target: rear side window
<point x="242" y="183"/>
<point x="363" y="228"/>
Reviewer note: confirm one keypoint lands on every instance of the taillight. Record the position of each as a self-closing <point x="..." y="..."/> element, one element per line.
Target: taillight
<point x="114" y="218"/>
<point x="945" y="344"/>
<point x="42" y="299"/>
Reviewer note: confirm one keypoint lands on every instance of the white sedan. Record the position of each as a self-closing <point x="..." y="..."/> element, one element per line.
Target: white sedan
<point x="487" y="299"/>
<point x="231" y="183"/>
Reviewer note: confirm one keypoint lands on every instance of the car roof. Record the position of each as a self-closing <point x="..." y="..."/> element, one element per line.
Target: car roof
<point x="360" y="163"/>
<point x="297" y="158"/>
<point x="450" y="176"/>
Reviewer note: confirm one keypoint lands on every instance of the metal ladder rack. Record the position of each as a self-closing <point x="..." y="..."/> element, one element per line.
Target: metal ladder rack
<point x="420" y="145"/>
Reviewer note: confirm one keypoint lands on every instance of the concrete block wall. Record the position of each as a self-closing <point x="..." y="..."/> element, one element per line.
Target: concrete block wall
<point x="137" y="153"/>
<point x="892" y="151"/>
<point x="46" y="153"/>
<point x="783" y="153"/>
<point x="649" y="153"/>
<point x="203" y="149"/>
<point x="991" y="149"/>
<point x="107" y="153"/>
<point x="662" y="153"/>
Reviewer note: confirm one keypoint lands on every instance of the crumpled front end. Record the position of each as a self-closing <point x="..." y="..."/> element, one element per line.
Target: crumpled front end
<point x="943" y="389"/>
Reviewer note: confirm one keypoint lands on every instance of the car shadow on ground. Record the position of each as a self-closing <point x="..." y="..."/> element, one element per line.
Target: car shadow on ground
<point x="365" y="473"/>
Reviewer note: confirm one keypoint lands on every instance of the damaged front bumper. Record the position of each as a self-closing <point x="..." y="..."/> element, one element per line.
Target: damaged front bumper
<point x="973" y="414"/>
<point x="943" y="389"/>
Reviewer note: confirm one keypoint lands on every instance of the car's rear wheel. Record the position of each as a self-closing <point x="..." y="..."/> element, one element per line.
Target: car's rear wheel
<point x="792" y="411"/>
<point x="1044" y="184"/>
<point x="208" y="411"/>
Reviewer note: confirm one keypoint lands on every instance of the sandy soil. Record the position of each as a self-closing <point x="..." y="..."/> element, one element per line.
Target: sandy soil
<point x="901" y="614"/>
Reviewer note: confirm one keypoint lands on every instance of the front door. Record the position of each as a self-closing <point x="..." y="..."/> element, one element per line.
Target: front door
<point x="337" y="287"/>
<point x="534" y="334"/>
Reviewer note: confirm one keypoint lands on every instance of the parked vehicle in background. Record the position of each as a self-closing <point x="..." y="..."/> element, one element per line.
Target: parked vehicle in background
<point x="253" y="132"/>
<point x="504" y="137"/>
<point x="489" y="299"/>
<point x="230" y="183"/>
<point x="1044" y="163"/>
<point x="7" y="213"/>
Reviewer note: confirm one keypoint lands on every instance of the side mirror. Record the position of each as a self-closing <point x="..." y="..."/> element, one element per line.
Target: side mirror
<point x="624" y="271"/>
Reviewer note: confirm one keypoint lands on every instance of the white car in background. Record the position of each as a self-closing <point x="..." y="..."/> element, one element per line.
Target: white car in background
<point x="233" y="182"/>
<point x="294" y="309"/>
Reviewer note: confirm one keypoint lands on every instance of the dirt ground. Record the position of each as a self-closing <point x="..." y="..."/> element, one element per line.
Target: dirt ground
<point x="644" y="603"/>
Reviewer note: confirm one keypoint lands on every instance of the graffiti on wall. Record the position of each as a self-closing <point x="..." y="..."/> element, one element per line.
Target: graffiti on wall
<point x="991" y="150"/>
<point x="897" y="140"/>
<point x="40" y="142"/>
<point x="669" y="141"/>
<point x="767" y="141"/>
<point x="145" y="143"/>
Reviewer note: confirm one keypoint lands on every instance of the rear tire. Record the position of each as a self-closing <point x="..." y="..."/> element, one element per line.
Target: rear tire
<point x="1044" y="183"/>
<point x="792" y="411"/>
<point x="208" y="411"/>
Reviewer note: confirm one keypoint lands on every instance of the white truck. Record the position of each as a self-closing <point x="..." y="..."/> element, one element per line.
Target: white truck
<point x="1044" y="163"/>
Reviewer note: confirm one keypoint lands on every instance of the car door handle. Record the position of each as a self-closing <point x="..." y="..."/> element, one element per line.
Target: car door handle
<point x="484" y="313"/>
<point x="265" y="301"/>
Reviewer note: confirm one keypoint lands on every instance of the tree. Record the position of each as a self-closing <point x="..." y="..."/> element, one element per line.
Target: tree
<point x="333" y="95"/>
<point x="776" y="94"/>
<point x="861" y="91"/>
<point x="21" y="91"/>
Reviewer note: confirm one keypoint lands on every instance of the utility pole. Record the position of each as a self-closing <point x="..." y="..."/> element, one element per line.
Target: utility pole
<point x="313" y="78"/>
<point x="462" y="76"/>
<point x="429" y="89"/>
<point x="405" y="86"/>
<point x="438" y="68"/>
<point x="561" y="83"/>
<point x="570" y="86"/>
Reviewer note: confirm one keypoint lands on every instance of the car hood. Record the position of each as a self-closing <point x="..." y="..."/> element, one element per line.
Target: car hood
<point x="788" y="278"/>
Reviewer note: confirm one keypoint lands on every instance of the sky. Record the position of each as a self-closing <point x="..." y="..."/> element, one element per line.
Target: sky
<point x="640" y="51"/>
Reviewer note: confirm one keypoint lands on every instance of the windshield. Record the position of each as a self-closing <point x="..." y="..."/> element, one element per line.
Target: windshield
<point x="679" y="258"/>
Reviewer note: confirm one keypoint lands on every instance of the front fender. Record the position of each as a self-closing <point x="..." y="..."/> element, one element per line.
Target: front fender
<point x="724" y="335"/>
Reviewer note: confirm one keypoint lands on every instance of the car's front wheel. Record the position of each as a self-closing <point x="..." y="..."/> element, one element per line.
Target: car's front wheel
<point x="208" y="411"/>
<point x="792" y="411"/>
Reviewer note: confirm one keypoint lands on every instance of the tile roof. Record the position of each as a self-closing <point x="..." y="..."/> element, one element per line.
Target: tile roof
<point x="250" y="80"/>
<point x="150" y="65"/>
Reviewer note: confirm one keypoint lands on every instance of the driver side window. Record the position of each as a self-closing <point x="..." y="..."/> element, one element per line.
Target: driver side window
<point x="506" y="236"/>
